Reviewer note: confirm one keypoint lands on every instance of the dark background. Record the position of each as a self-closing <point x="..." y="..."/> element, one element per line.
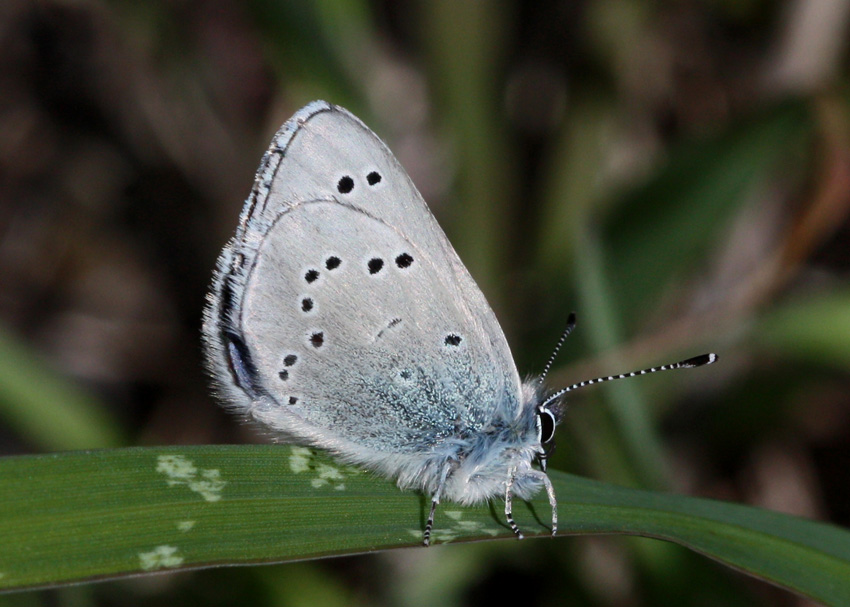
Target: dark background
<point x="677" y="173"/>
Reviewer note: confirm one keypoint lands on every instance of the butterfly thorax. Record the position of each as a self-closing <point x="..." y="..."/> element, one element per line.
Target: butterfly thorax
<point x="477" y="464"/>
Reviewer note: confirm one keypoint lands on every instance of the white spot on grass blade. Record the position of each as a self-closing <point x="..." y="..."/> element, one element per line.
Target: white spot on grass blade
<point x="209" y="486"/>
<point x="457" y="529"/>
<point x="329" y="473"/>
<point x="445" y="536"/>
<point x="472" y="528"/>
<point x="299" y="460"/>
<point x="181" y="471"/>
<point x="161" y="557"/>
<point x="185" y="526"/>
<point x="176" y="467"/>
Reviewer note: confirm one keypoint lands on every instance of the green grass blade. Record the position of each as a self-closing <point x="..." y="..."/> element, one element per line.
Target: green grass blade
<point x="463" y="43"/>
<point x="46" y="409"/>
<point x="92" y="515"/>
<point x="814" y="329"/>
<point x="644" y="454"/>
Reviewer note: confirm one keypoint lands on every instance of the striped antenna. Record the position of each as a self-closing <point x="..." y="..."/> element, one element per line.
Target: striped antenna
<point x="571" y="324"/>
<point x="690" y="363"/>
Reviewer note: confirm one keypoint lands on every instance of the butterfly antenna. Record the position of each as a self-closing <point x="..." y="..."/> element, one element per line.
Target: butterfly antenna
<point x="571" y="324"/>
<point x="690" y="363"/>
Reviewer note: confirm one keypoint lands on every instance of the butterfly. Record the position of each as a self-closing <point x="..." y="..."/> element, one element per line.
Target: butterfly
<point x="340" y="317"/>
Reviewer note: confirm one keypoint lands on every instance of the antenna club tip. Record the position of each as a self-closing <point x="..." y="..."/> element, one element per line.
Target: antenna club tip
<point x="699" y="361"/>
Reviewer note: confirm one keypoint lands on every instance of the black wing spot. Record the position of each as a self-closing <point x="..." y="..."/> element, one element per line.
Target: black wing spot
<point x="373" y="178"/>
<point x="375" y="264"/>
<point x="284" y="375"/>
<point x="306" y="304"/>
<point x="311" y="276"/>
<point x="345" y="185"/>
<point x="292" y="400"/>
<point x="453" y="339"/>
<point x="289" y="360"/>
<point x="404" y="260"/>
<point x="317" y="339"/>
<point x="332" y="262"/>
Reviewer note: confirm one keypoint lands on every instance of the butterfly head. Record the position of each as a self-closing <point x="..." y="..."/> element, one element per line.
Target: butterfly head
<point x="549" y="412"/>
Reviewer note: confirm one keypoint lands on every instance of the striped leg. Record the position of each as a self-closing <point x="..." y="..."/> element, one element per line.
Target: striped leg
<point x="427" y="539"/>
<point x="509" y="504"/>
<point x="435" y="499"/>
<point x="550" y="491"/>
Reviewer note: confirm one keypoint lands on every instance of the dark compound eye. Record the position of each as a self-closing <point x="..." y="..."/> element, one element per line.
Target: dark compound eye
<point x="289" y="360"/>
<point x="332" y="263"/>
<point x="306" y="304"/>
<point x="404" y="260"/>
<point x="547" y="425"/>
<point x="345" y="185"/>
<point x="453" y="340"/>
<point x="373" y="178"/>
<point x="375" y="264"/>
<point x="317" y="339"/>
<point x="311" y="275"/>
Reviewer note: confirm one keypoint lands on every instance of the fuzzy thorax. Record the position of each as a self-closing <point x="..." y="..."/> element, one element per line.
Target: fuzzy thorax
<point x="477" y="468"/>
<point x="477" y="480"/>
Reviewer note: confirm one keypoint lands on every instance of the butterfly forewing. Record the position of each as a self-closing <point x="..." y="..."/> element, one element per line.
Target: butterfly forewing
<point x="355" y="314"/>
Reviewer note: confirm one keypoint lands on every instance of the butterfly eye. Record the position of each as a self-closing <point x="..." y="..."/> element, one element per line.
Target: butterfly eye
<point x="547" y="425"/>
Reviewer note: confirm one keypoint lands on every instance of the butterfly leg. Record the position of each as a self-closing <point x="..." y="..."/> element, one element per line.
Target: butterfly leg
<point x="435" y="499"/>
<point x="550" y="491"/>
<point x="509" y="504"/>
<point x="427" y="539"/>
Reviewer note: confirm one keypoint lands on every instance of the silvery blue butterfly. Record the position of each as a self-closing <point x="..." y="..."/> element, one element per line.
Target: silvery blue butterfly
<point x="341" y="318"/>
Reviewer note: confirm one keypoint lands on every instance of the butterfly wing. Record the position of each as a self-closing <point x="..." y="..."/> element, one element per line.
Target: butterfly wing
<point x="340" y="313"/>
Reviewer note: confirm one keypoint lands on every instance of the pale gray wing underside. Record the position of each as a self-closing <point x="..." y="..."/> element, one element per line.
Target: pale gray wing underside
<point x="347" y="311"/>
